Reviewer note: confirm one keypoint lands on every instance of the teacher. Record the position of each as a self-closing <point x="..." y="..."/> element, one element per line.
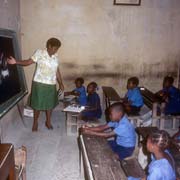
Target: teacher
<point x="44" y="93"/>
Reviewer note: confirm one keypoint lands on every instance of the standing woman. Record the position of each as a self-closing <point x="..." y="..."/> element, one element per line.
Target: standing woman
<point x="44" y="94"/>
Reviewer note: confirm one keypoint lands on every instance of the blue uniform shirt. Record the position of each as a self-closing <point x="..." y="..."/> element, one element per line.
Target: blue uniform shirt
<point x="134" y="95"/>
<point x="93" y="100"/>
<point x="125" y="132"/>
<point x="173" y="104"/>
<point x="82" y="99"/>
<point x="159" y="170"/>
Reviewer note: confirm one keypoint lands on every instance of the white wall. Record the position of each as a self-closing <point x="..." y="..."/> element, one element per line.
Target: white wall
<point x="103" y="42"/>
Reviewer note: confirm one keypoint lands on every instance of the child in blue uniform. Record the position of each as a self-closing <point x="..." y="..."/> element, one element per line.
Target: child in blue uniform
<point x="123" y="131"/>
<point x="79" y="91"/>
<point x="133" y="98"/>
<point x="170" y="95"/>
<point x="93" y="103"/>
<point x="162" y="164"/>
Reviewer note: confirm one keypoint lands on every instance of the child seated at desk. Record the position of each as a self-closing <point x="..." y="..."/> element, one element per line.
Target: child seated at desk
<point x="79" y="91"/>
<point x="162" y="165"/>
<point x="123" y="132"/>
<point x="171" y="96"/>
<point x="93" y="110"/>
<point x="133" y="100"/>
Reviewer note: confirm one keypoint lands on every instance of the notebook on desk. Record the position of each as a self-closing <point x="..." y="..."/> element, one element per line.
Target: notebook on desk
<point x="74" y="108"/>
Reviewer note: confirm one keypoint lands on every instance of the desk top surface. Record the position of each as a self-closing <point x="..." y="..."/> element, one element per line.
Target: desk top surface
<point x="102" y="160"/>
<point x="111" y="93"/>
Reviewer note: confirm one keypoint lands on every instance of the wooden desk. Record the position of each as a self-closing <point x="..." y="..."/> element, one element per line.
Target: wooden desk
<point x="148" y="97"/>
<point x="99" y="160"/>
<point x="110" y="95"/>
<point x="7" y="166"/>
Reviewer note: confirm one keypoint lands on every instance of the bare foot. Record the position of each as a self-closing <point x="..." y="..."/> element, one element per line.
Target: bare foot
<point x="49" y="126"/>
<point x="35" y="128"/>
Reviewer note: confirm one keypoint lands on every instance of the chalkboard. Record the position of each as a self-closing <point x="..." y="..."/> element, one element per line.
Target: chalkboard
<point x="12" y="80"/>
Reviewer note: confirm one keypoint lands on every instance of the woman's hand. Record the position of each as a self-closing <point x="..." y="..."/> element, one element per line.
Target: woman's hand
<point x="61" y="86"/>
<point x="11" y="60"/>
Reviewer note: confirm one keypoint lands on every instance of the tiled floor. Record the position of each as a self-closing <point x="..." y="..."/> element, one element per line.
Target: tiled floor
<point x="51" y="154"/>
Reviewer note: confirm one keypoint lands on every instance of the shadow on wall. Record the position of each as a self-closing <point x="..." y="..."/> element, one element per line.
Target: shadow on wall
<point x="150" y="75"/>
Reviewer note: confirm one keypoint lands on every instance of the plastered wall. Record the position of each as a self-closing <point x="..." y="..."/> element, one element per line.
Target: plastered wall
<point x="103" y="42"/>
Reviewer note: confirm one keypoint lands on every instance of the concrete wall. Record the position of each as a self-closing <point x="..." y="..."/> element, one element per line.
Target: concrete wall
<point x="103" y="42"/>
<point x="9" y="19"/>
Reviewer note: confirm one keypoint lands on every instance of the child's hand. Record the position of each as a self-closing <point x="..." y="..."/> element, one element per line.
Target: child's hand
<point x="85" y="127"/>
<point x="87" y="131"/>
<point x="11" y="60"/>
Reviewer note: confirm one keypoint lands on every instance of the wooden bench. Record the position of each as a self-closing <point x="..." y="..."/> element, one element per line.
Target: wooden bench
<point x="132" y="168"/>
<point x="99" y="160"/>
<point x="152" y="101"/>
<point x="110" y="96"/>
<point x="7" y="165"/>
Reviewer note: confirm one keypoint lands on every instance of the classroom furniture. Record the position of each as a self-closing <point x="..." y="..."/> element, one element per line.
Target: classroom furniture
<point x="71" y="122"/>
<point x="150" y="100"/>
<point x="110" y="96"/>
<point x="154" y="103"/>
<point x="20" y="163"/>
<point x="7" y="165"/>
<point x="99" y="160"/>
<point x="132" y="167"/>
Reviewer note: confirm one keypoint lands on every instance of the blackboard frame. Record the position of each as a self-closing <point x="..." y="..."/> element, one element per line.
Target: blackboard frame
<point x="6" y="106"/>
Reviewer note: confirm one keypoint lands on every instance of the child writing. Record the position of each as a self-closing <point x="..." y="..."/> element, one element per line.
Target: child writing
<point x="171" y="96"/>
<point x="93" y="103"/>
<point x="162" y="164"/>
<point x="133" y="100"/>
<point x="44" y="94"/>
<point x="123" y="132"/>
<point x="79" y="91"/>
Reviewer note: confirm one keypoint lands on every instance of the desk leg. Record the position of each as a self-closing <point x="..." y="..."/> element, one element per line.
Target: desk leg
<point x="162" y="121"/>
<point x="79" y="145"/>
<point x="174" y="123"/>
<point x="12" y="174"/>
<point x="21" y="114"/>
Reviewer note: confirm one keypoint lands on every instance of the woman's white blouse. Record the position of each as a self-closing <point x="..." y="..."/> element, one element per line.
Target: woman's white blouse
<point x="46" y="67"/>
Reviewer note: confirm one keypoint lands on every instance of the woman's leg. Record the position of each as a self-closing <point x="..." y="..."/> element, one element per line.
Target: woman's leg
<point x="48" y="119"/>
<point x="35" y="123"/>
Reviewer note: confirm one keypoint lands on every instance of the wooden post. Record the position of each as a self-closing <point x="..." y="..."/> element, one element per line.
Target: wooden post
<point x="162" y="118"/>
<point x="178" y="76"/>
<point x="154" y="114"/>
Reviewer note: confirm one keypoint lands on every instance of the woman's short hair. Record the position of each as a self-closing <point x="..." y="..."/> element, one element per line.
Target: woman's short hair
<point x="53" y="42"/>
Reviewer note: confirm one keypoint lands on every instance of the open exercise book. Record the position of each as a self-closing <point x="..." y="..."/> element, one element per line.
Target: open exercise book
<point x="74" y="108"/>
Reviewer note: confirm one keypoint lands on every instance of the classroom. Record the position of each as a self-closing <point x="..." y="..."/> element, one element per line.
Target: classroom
<point x="89" y="90"/>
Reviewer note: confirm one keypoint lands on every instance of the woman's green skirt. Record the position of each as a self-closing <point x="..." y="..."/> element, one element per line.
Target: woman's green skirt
<point x="43" y="96"/>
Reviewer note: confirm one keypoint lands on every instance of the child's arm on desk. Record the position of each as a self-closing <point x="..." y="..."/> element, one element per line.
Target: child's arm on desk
<point x="75" y="93"/>
<point x="101" y="128"/>
<point x="99" y="134"/>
